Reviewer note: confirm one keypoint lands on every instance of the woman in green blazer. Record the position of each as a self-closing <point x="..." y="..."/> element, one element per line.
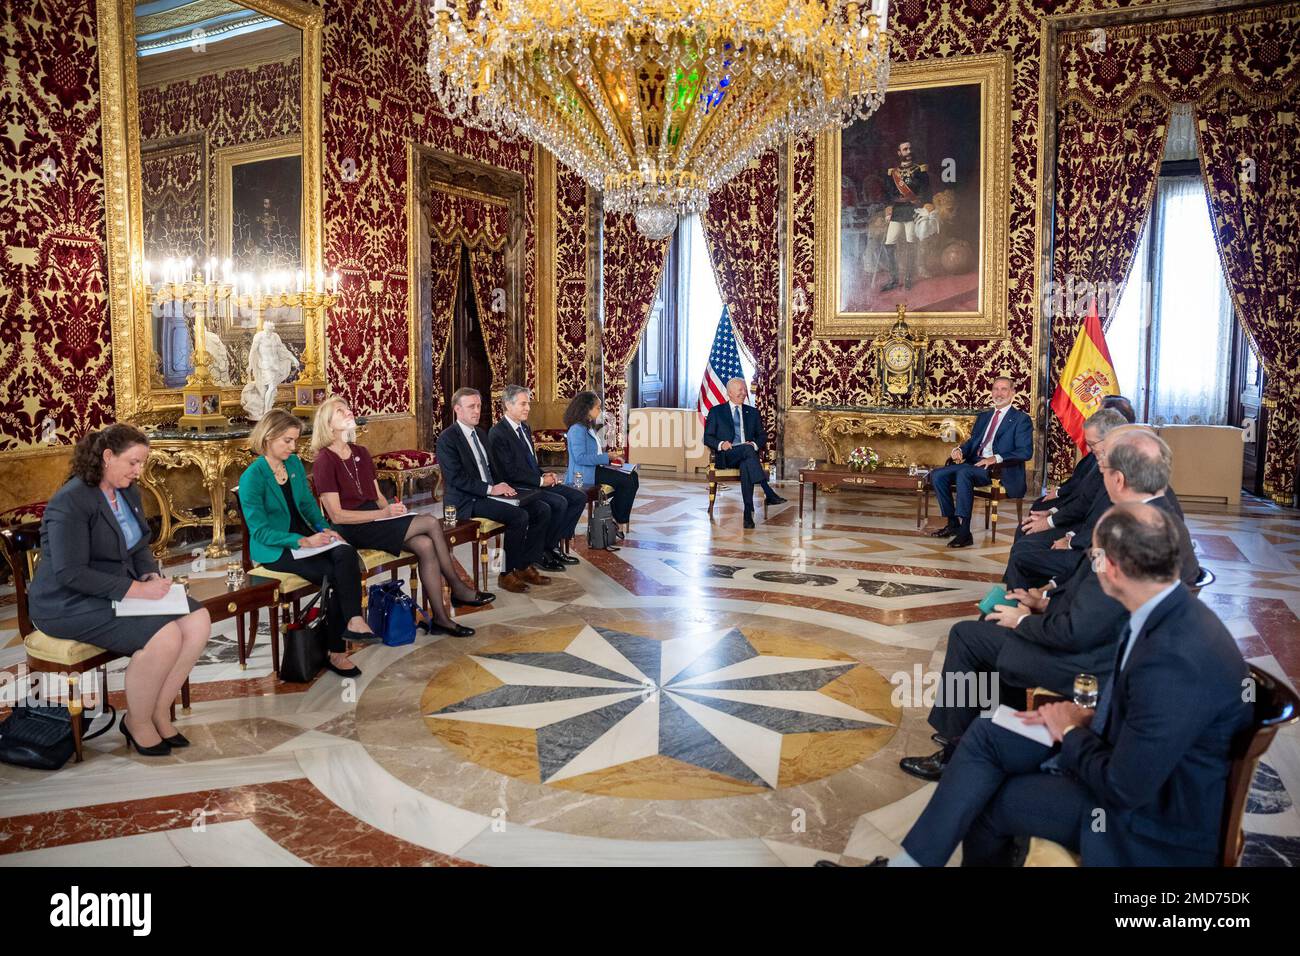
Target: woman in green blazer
<point x="281" y="514"/>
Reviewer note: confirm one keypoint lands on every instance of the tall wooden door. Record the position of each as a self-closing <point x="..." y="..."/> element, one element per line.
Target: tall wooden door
<point x="466" y="363"/>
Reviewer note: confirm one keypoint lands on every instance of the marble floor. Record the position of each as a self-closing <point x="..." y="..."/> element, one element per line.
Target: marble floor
<point x="705" y="695"/>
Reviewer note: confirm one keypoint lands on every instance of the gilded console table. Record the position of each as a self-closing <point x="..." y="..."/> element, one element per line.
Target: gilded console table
<point x="841" y="429"/>
<point x="214" y="454"/>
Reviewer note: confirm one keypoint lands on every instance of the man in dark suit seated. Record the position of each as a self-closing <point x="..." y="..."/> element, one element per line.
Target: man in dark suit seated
<point x="1141" y="780"/>
<point x="734" y="431"/>
<point x="1147" y="462"/>
<point x="550" y="503"/>
<point x="1002" y="436"/>
<point x="1073" y="634"/>
<point x="1052" y="515"/>
<point x="472" y="489"/>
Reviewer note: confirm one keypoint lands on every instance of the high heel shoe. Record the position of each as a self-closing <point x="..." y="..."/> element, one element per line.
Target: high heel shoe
<point x="160" y="749"/>
<point x="456" y="630"/>
<point x="480" y="599"/>
<point x="177" y="739"/>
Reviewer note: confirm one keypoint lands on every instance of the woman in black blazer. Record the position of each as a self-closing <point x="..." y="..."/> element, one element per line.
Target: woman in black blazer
<point x="94" y="551"/>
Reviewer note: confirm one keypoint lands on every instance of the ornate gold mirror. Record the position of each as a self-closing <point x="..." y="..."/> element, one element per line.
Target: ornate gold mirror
<point x="212" y="166"/>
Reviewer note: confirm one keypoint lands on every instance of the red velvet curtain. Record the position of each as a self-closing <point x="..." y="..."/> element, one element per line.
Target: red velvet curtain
<point x="1252" y="171"/>
<point x="742" y="230"/>
<point x="444" y="277"/>
<point x="487" y="267"/>
<point x="632" y="266"/>
<point x="1241" y="68"/>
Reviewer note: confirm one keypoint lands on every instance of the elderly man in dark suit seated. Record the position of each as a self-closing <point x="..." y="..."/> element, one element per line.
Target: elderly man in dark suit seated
<point x="1073" y="633"/>
<point x="734" y="432"/>
<point x="1032" y="564"/>
<point x="1052" y="516"/>
<point x="1003" y="436"/>
<point x="1141" y="780"/>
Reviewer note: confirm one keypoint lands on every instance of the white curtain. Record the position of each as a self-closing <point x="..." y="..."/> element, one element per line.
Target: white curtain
<point x="1191" y="339"/>
<point x="1171" y="336"/>
<point x="702" y="309"/>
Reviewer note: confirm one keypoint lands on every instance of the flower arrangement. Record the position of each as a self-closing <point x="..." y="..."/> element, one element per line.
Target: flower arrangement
<point x="864" y="458"/>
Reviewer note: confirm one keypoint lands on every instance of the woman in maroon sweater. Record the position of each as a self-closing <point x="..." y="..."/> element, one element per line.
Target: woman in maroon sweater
<point x="345" y="480"/>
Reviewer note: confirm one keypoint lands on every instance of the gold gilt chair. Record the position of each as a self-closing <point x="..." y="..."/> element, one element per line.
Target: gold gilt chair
<point x="719" y="476"/>
<point x="54" y="655"/>
<point x="408" y="465"/>
<point x="1276" y="705"/>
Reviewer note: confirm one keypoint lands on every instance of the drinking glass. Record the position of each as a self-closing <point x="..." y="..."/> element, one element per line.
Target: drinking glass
<point x="1085" y="690"/>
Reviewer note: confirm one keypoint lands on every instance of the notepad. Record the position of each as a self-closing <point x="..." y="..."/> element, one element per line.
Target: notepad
<point x="1004" y="716"/>
<point x="308" y="552"/>
<point x="504" y="500"/>
<point x="174" y="602"/>
<point x="392" y="517"/>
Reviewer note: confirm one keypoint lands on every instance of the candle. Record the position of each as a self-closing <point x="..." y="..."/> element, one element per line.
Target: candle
<point x="299" y="280"/>
<point x="189" y="269"/>
<point x="334" y="283"/>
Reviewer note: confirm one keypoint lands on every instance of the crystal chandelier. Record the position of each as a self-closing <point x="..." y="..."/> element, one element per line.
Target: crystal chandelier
<point x="658" y="102"/>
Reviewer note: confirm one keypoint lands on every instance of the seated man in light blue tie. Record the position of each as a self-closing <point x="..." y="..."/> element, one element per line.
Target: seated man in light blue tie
<point x="1002" y="436"/>
<point x="734" y="432"/>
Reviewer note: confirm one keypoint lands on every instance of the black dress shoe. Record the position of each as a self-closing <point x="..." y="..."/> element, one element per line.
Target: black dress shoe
<point x="556" y="555"/>
<point x="963" y="540"/>
<point x="480" y="599"/>
<point x="947" y="531"/>
<point x="177" y="739"/>
<point x="878" y="861"/>
<point x="456" y="630"/>
<point x="567" y="558"/>
<point x="775" y="499"/>
<point x="550" y="564"/>
<point x="160" y="749"/>
<point x="927" y="768"/>
<point x="749" y="520"/>
<point x="353" y="671"/>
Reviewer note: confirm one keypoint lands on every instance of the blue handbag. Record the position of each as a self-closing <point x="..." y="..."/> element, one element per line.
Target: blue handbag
<point x="391" y="614"/>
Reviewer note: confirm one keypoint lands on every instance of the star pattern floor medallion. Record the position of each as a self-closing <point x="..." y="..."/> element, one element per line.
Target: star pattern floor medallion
<point x="709" y="714"/>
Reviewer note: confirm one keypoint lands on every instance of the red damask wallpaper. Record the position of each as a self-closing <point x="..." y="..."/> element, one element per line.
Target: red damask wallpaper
<point x="376" y="98"/>
<point x="571" y="286"/>
<point x="56" y="367"/>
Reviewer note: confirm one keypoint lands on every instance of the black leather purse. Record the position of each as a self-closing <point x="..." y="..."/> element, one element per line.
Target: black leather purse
<point x="41" y="737"/>
<point x="305" y="640"/>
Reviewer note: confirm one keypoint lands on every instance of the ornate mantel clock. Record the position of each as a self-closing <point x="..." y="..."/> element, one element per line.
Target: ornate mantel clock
<point x="900" y="364"/>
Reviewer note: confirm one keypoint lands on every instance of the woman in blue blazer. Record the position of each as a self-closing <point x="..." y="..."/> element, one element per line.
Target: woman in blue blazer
<point x="587" y="456"/>
<point x="281" y="515"/>
<point x="95" y="551"/>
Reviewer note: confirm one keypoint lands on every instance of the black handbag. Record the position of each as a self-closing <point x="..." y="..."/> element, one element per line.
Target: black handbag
<point x="602" y="530"/>
<point x="41" y="737"/>
<point x="305" y="640"/>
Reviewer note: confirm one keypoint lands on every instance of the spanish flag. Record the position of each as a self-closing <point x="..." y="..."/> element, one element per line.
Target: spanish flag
<point x="1087" y="378"/>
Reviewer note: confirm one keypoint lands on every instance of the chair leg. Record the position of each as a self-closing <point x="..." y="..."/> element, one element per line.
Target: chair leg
<point x="713" y="494"/>
<point x="75" y="709"/>
<point x="185" y="696"/>
<point x="241" y="638"/>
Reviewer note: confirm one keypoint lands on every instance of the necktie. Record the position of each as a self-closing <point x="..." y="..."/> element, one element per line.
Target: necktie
<point x="735" y="417"/>
<point x="1107" y="693"/>
<point x="482" y="457"/>
<point x="519" y="430"/>
<point x="988" y="435"/>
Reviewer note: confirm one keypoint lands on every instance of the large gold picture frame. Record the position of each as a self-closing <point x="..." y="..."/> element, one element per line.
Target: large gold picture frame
<point x="137" y="398"/>
<point x="990" y="74"/>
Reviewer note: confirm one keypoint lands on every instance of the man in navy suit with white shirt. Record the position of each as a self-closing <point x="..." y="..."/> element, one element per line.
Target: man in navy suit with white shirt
<point x="1139" y="782"/>
<point x="734" y="431"/>
<point x="1002" y="436"/>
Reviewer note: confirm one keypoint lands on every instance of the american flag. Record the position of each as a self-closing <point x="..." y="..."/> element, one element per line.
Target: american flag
<point x="724" y="365"/>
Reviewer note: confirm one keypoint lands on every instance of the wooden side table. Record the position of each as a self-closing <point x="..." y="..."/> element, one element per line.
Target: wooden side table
<point x="886" y="479"/>
<point x="224" y="602"/>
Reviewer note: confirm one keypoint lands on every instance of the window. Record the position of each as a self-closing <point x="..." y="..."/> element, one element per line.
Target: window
<point x="1171" y="338"/>
<point x="678" y="337"/>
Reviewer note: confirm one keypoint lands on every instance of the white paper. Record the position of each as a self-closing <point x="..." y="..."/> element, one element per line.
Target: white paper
<point x="174" y="602"/>
<point x="1004" y="716"/>
<point x="392" y="517"/>
<point x="308" y="552"/>
<point x="504" y="500"/>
